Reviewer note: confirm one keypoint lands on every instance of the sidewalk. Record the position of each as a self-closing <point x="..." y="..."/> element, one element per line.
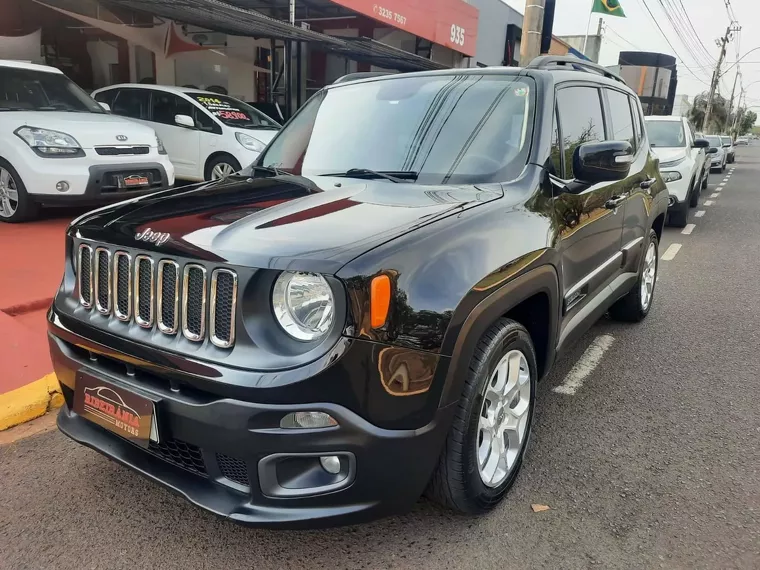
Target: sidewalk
<point x="31" y="267"/>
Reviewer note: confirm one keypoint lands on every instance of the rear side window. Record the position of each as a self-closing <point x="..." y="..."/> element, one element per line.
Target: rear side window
<point x="580" y="117"/>
<point x="132" y="103"/>
<point x="167" y="105"/>
<point x="621" y="128"/>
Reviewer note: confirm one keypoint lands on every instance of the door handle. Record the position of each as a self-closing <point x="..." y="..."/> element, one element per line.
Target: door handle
<point x="648" y="183"/>
<point x="615" y="201"/>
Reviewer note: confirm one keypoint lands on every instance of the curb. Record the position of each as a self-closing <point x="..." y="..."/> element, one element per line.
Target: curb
<point x="30" y="401"/>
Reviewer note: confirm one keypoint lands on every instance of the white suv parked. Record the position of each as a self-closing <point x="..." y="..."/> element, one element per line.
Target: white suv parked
<point x="683" y="163"/>
<point x="58" y="146"/>
<point x="207" y="135"/>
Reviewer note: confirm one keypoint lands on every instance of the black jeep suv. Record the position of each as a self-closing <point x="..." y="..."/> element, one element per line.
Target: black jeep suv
<point x="362" y="315"/>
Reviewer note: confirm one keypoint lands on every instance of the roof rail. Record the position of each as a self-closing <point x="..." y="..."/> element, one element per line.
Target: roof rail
<point x="548" y="61"/>
<point x="361" y="75"/>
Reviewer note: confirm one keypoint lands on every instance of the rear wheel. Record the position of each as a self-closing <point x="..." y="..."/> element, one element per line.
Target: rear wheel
<point x="488" y="437"/>
<point x="15" y="204"/>
<point x="634" y="307"/>
<point x="221" y="167"/>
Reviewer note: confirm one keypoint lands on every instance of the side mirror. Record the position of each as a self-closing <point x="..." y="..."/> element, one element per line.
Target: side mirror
<point x="105" y="106"/>
<point x="604" y="161"/>
<point x="712" y="150"/>
<point x="184" y="121"/>
<point x="701" y="143"/>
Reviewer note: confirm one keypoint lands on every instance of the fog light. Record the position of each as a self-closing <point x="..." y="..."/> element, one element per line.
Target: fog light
<point x="330" y="463"/>
<point x="307" y="420"/>
<point x="62" y="186"/>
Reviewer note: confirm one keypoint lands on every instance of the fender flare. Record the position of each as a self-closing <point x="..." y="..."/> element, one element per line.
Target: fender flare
<point x="542" y="279"/>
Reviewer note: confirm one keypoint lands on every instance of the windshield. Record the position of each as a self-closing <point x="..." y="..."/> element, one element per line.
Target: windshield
<point x="234" y="113"/>
<point x="667" y="134"/>
<point x="714" y="141"/>
<point x="726" y="140"/>
<point x="437" y="129"/>
<point x="32" y="90"/>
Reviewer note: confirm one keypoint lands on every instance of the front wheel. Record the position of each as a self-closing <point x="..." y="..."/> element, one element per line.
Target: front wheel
<point x="694" y="195"/>
<point x="705" y="179"/>
<point x="487" y="440"/>
<point x="634" y="307"/>
<point x="221" y="167"/>
<point x="15" y="203"/>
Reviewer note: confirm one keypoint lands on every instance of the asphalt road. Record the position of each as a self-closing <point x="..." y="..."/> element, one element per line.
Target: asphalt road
<point x="652" y="463"/>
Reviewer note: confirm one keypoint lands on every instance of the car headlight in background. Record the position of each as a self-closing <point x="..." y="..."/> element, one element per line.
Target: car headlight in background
<point x="671" y="176"/>
<point x="249" y="142"/>
<point x="49" y="143"/>
<point x="160" y="144"/>
<point x="672" y="163"/>
<point x="303" y="305"/>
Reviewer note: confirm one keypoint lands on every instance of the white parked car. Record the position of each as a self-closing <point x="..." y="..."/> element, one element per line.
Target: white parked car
<point x="683" y="163"/>
<point x="718" y="156"/>
<point x="58" y="146"/>
<point x="728" y="148"/>
<point x="207" y="135"/>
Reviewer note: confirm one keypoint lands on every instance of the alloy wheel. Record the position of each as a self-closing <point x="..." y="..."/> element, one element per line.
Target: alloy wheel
<point x="503" y="423"/>
<point x="8" y="194"/>
<point x="648" y="276"/>
<point x="221" y="170"/>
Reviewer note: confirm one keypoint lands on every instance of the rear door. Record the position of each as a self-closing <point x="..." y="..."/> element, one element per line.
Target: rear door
<point x="590" y="227"/>
<point x="181" y="143"/>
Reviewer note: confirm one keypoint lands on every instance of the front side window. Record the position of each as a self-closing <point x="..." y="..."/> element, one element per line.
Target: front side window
<point x="233" y="112"/>
<point x="637" y="126"/>
<point x="133" y="103"/>
<point x="620" y="117"/>
<point x="726" y="141"/>
<point x="667" y="134"/>
<point x="580" y="115"/>
<point x="442" y="129"/>
<point x="32" y="90"/>
<point x="166" y="106"/>
<point x="714" y="141"/>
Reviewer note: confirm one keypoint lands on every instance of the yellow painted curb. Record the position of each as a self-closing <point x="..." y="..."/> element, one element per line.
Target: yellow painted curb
<point x="30" y="401"/>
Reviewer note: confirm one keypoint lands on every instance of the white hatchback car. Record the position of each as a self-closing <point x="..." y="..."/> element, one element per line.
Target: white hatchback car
<point x="58" y="146"/>
<point x="207" y="135"/>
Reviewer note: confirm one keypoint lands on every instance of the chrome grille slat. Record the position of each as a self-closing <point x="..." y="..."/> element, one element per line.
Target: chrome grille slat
<point x="84" y="275"/>
<point x="144" y="291"/>
<point x="122" y="285"/>
<point x="222" y="309"/>
<point x="167" y="296"/>
<point x="194" y="302"/>
<point x="103" y="280"/>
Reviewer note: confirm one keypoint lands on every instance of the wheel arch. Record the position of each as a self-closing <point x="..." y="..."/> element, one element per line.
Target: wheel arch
<point x="533" y="300"/>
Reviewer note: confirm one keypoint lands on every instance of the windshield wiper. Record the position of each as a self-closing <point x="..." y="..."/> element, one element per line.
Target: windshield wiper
<point x="392" y="175"/>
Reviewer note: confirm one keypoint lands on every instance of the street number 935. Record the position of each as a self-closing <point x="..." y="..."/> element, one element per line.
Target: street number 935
<point x="457" y="35"/>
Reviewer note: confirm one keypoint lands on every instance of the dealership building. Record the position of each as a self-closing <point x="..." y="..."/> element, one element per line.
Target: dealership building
<point x="249" y="48"/>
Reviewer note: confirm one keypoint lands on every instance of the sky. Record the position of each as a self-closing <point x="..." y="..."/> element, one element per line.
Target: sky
<point x="637" y="31"/>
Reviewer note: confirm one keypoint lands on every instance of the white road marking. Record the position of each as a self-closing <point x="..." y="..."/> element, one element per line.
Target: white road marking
<point x="699" y="214"/>
<point x="688" y="229"/>
<point x="671" y="252"/>
<point x="714" y="195"/>
<point x="585" y="365"/>
<point x="721" y="185"/>
<point x="708" y="203"/>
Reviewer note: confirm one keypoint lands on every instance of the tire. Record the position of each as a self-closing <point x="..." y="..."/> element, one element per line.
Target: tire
<point x="458" y="481"/>
<point x="15" y="203"/>
<point x="706" y="179"/>
<point x="694" y="195"/>
<point x="632" y="307"/>
<point x="678" y="218"/>
<point x="224" y="163"/>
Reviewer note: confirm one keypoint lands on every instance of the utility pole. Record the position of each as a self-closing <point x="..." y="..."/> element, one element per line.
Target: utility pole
<point x="722" y="42"/>
<point x="733" y="91"/>
<point x="739" y="111"/>
<point x="533" y="25"/>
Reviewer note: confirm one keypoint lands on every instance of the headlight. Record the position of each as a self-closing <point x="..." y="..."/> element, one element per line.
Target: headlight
<point x="249" y="142"/>
<point x="303" y="305"/>
<point x="160" y="143"/>
<point x="671" y="176"/>
<point x="49" y="143"/>
<point x="672" y="163"/>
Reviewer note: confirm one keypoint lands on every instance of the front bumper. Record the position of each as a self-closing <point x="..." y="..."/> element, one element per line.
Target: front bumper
<point x="220" y="453"/>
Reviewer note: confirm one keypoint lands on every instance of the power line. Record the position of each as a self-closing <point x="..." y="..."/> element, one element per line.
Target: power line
<point x="682" y="31"/>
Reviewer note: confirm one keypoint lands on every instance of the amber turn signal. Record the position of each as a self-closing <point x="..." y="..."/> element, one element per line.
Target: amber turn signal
<point x="380" y="300"/>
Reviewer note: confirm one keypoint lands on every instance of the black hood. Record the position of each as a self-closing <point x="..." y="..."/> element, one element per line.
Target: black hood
<point x="282" y="222"/>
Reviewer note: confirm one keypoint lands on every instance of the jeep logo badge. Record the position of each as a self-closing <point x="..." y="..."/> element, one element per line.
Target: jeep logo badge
<point x="158" y="238"/>
<point x="121" y="138"/>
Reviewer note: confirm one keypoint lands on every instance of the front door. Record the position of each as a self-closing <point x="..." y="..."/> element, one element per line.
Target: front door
<point x="589" y="218"/>
<point x="182" y="143"/>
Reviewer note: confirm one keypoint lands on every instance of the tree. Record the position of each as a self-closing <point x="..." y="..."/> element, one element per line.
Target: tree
<point x="747" y="122"/>
<point x="718" y="118"/>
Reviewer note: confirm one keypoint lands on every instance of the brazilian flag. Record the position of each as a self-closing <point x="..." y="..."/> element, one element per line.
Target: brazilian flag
<point x="608" y="7"/>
